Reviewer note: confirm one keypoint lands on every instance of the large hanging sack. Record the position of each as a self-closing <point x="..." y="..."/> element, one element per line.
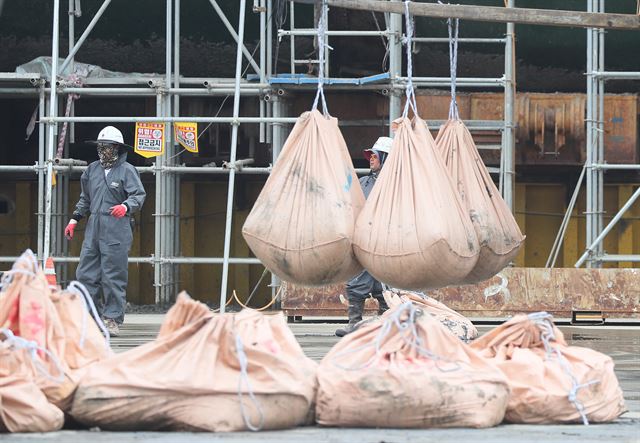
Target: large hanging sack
<point x="455" y="322"/>
<point x="27" y="310"/>
<point x="23" y="406"/>
<point x="87" y="339"/>
<point x="498" y="233"/>
<point x="301" y="226"/>
<point x="225" y="372"/>
<point x="550" y="381"/>
<point x="413" y="232"/>
<point x="408" y="371"/>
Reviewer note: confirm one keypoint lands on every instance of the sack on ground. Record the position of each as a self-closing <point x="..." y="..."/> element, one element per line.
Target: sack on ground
<point x="301" y="226"/>
<point x="408" y="371"/>
<point x="23" y="406"/>
<point x="498" y="233"/>
<point x="87" y="339"/>
<point x="27" y="310"/>
<point x="224" y="372"/>
<point x="457" y="323"/>
<point x="184" y="312"/>
<point x="550" y="381"/>
<point x="413" y="232"/>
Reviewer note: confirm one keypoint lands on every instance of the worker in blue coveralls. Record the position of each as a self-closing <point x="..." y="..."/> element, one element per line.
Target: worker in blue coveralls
<point x="111" y="192"/>
<point x="364" y="285"/>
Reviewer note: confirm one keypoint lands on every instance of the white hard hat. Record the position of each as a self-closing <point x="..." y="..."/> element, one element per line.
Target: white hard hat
<point x="383" y="144"/>
<point x="110" y="134"/>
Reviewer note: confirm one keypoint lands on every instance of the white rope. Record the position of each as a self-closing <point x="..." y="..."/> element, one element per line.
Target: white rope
<point x="28" y="258"/>
<point x="407" y="40"/>
<point x="404" y="320"/>
<point x="322" y="28"/>
<point x="544" y="323"/>
<point x="453" y="67"/>
<point x="81" y="290"/>
<point x="32" y="348"/>
<point x="244" y="379"/>
<point x="31" y="259"/>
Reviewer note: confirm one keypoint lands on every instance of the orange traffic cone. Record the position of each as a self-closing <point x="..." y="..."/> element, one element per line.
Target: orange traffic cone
<point x="50" y="272"/>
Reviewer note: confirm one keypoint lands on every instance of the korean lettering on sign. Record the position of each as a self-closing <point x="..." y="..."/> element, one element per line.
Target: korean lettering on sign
<point x="149" y="140"/>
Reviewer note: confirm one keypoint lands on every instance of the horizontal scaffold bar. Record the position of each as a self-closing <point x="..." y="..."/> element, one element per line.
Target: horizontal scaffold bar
<point x="522" y="16"/>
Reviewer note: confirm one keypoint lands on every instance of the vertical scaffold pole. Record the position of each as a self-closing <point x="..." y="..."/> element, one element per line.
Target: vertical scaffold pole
<point x="52" y="130"/>
<point x="232" y="160"/>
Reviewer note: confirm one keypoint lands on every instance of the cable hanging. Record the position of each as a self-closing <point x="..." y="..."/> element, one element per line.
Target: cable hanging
<point x="407" y="40"/>
<point x="453" y="66"/>
<point x="322" y="46"/>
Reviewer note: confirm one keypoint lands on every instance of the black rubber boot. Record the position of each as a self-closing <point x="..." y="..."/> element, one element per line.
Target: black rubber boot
<point x="356" y="308"/>
<point x="382" y="304"/>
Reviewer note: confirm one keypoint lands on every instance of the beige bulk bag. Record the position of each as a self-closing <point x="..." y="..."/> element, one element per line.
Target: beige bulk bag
<point x="185" y="311"/>
<point x="550" y="381"/>
<point x="218" y="372"/>
<point x="408" y="371"/>
<point x="27" y="310"/>
<point x="498" y="233"/>
<point x="87" y="339"/>
<point x="301" y="226"/>
<point x="455" y="322"/>
<point x="23" y="406"/>
<point x="413" y="232"/>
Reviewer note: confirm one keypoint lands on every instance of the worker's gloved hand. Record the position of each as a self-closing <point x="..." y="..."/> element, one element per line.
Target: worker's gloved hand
<point x="118" y="211"/>
<point x="68" y="231"/>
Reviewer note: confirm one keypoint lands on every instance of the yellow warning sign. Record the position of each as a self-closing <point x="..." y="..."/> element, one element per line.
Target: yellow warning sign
<point x="186" y="133"/>
<point x="149" y="140"/>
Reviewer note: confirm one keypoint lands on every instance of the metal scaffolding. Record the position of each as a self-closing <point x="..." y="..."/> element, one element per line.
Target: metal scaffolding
<point x="596" y="166"/>
<point x="167" y="90"/>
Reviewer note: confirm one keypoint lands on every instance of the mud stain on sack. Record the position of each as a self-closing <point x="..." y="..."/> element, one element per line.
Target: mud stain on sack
<point x="313" y="186"/>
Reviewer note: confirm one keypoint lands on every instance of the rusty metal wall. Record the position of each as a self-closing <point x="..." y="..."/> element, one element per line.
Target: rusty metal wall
<point x="550" y="127"/>
<point x="615" y="292"/>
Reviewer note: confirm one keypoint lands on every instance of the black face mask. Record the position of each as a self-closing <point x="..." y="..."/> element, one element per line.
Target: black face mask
<point x="108" y="154"/>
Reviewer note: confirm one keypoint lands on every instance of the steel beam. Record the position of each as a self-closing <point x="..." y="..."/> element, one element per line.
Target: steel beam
<point x="520" y="16"/>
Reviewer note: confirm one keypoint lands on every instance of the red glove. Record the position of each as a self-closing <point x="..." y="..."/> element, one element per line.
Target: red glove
<point x="118" y="211"/>
<point x="68" y="231"/>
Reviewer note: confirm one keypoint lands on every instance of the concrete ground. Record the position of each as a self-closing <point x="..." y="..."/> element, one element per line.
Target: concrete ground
<point x="622" y="343"/>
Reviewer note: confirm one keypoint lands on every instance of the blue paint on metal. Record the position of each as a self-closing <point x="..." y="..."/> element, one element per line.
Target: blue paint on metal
<point x="304" y="79"/>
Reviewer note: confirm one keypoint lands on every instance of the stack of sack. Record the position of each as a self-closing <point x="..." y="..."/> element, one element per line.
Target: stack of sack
<point x="302" y="224"/>
<point x="408" y="371"/>
<point x="550" y="381"/>
<point x="50" y="335"/>
<point x="204" y="372"/>
<point x="457" y="323"/>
